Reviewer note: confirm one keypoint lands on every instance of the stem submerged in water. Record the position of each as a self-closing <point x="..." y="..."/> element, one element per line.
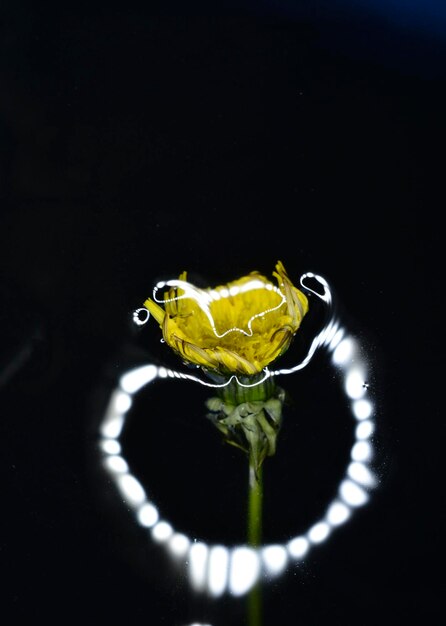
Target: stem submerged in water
<point x="249" y="413"/>
<point x="255" y="506"/>
<point x="255" y="501"/>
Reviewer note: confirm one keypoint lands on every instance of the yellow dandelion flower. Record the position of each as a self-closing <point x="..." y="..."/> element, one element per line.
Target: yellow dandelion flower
<point x="238" y="328"/>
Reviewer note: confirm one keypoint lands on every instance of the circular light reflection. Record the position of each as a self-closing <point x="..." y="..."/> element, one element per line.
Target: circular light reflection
<point x="218" y="569"/>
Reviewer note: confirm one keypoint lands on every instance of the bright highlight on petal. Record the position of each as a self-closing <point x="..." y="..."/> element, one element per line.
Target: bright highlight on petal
<point x="238" y="328"/>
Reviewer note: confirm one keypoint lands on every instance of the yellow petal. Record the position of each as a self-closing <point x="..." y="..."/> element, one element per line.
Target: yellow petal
<point x="155" y="310"/>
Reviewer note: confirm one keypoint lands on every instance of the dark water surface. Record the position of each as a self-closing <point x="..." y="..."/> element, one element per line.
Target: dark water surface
<point x="136" y="143"/>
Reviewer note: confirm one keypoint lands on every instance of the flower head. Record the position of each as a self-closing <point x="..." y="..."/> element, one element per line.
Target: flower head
<point x="238" y="328"/>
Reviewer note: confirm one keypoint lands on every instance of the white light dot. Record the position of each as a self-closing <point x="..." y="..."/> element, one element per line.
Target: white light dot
<point x="224" y="293"/>
<point x="343" y="351"/>
<point x="218" y="567"/>
<point x="112" y="426"/>
<point x="244" y="570"/>
<point x="234" y="290"/>
<point x="298" y="547"/>
<point x="362" y="451"/>
<point x="354" y="384"/>
<point x="148" y="515"/>
<point x="117" y="464"/>
<point x="198" y="556"/>
<point x="365" y="429"/>
<point x="338" y="513"/>
<point x="132" y="381"/>
<point x="162" y="372"/>
<point x="141" y="316"/>
<point x="361" y="474"/>
<point x="362" y="409"/>
<point x="352" y="493"/>
<point x="275" y="559"/>
<point x="179" y="545"/>
<point x="122" y="401"/>
<point x="161" y="532"/>
<point x="319" y="532"/>
<point x="131" y="489"/>
<point x="111" y="446"/>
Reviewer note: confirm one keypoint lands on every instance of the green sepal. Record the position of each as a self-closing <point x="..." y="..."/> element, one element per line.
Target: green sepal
<point x="252" y="425"/>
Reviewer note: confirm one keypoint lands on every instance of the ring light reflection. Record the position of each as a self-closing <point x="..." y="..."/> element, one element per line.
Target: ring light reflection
<point x="219" y="569"/>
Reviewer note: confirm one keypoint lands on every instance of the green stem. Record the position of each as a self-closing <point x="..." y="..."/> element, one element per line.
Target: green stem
<point x="255" y="506"/>
<point x="255" y="606"/>
<point x="255" y="538"/>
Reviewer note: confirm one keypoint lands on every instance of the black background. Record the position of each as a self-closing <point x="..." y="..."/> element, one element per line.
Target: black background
<point x="138" y="142"/>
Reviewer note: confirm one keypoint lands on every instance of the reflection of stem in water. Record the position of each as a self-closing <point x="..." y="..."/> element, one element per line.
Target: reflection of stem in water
<point x="255" y="539"/>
